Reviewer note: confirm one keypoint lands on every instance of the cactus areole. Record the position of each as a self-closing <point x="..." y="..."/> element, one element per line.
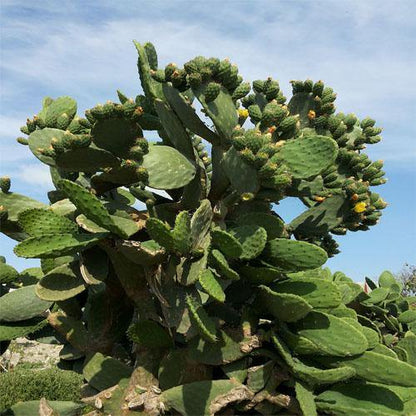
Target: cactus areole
<point x="201" y="300"/>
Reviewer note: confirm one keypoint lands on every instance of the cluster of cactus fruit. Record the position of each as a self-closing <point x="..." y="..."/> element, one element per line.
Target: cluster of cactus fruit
<point x="201" y="300"/>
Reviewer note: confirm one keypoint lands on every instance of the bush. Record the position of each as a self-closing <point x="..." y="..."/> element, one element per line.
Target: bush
<point x="53" y="384"/>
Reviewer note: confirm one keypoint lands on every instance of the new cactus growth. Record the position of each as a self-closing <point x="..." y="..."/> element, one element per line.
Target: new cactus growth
<point x="203" y="301"/>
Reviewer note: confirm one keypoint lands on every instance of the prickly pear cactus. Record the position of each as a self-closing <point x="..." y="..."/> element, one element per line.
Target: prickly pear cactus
<point x="200" y="300"/>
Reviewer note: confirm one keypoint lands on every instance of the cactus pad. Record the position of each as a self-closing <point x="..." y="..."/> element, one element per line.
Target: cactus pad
<point x="167" y="168"/>
<point x="290" y="255"/>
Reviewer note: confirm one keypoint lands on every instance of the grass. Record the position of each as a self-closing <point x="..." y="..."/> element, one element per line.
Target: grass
<point x="28" y="383"/>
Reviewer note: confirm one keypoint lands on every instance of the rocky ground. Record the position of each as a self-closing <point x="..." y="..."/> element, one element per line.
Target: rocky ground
<point x="22" y="351"/>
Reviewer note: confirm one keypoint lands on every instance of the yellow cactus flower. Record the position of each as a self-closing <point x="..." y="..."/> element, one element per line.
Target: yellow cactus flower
<point x="311" y="114"/>
<point x="319" y="198"/>
<point x="242" y="112"/>
<point x="360" y="207"/>
<point x="247" y="196"/>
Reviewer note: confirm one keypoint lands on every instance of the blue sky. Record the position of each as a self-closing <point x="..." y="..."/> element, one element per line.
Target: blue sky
<point x="365" y="50"/>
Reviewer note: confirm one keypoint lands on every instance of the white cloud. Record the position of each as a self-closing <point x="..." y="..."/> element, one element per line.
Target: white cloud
<point x="35" y="175"/>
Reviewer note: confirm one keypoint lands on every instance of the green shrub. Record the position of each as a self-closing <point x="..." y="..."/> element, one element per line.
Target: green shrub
<point x="53" y="384"/>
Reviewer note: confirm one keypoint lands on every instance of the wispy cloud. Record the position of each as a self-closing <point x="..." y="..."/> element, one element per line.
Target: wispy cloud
<point x="37" y="175"/>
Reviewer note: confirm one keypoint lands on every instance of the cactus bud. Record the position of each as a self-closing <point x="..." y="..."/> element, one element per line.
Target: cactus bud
<point x="255" y="113"/>
<point x="241" y="91"/>
<point x="258" y="85"/>
<point x="297" y="86"/>
<point x="211" y="91"/>
<point x="169" y="70"/>
<point x="142" y="174"/>
<point x="308" y="85"/>
<point x="318" y="88"/>
<point x="367" y="122"/>
<point x="5" y="184"/>
<point x="158" y="75"/>
<point x="23" y="140"/>
<point x="194" y="80"/>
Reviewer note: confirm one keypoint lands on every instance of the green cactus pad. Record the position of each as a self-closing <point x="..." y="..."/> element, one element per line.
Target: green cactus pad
<point x="146" y="253"/>
<point x="72" y="329"/>
<point x="177" y="368"/>
<point x="242" y="176"/>
<point x="260" y="274"/>
<point x="408" y="343"/>
<point x="301" y="103"/>
<point x="58" y="107"/>
<point x="201" y="223"/>
<point x="103" y="372"/>
<point x="175" y="129"/>
<point x="286" y="307"/>
<point x="88" y="225"/>
<point x="8" y="273"/>
<point x="252" y="239"/>
<point x="331" y="335"/>
<point x="188" y="270"/>
<point x="87" y="159"/>
<point x="37" y="222"/>
<point x="50" y="263"/>
<point x="167" y="168"/>
<point x="360" y="400"/>
<point x="321" y="218"/>
<point x="271" y="223"/>
<point x="56" y="245"/>
<point x="199" y="398"/>
<point x="188" y="115"/>
<point x="87" y="203"/>
<point x="205" y="325"/>
<point x="236" y="370"/>
<point x="378" y="368"/>
<point x="116" y="135"/>
<point x="306" y="399"/>
<point x="309" y="156"/>
<point x="318" y="293"/>
<point x="226" y="350"/>
<point x="151" y="88"/>
<point x="149" y="334"/>
<point x="226" y="243"/>
<point x="312" y="375"/>
<point x="61" y="408"/>
<point x="21" y="304"/>
<point x="350" y="291"/>
<point x="259" y="375"/>
<point x="16" y="203"/>
<point x="182" y="237"/>
<point x="221" y="111"/>
<point x="218" y="261"/>
<point x="161" y="233"/>
<point x="61" y="283"/>
<point x="41" y="139"/>
<point x="387" y="280"/>
<point x="13" y="330"/>
<point x="211" y="285"/>
<point x="291" y="256"/>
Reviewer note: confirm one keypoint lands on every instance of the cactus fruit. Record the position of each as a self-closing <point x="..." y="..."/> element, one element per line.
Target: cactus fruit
<point x="205" y="301"/>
